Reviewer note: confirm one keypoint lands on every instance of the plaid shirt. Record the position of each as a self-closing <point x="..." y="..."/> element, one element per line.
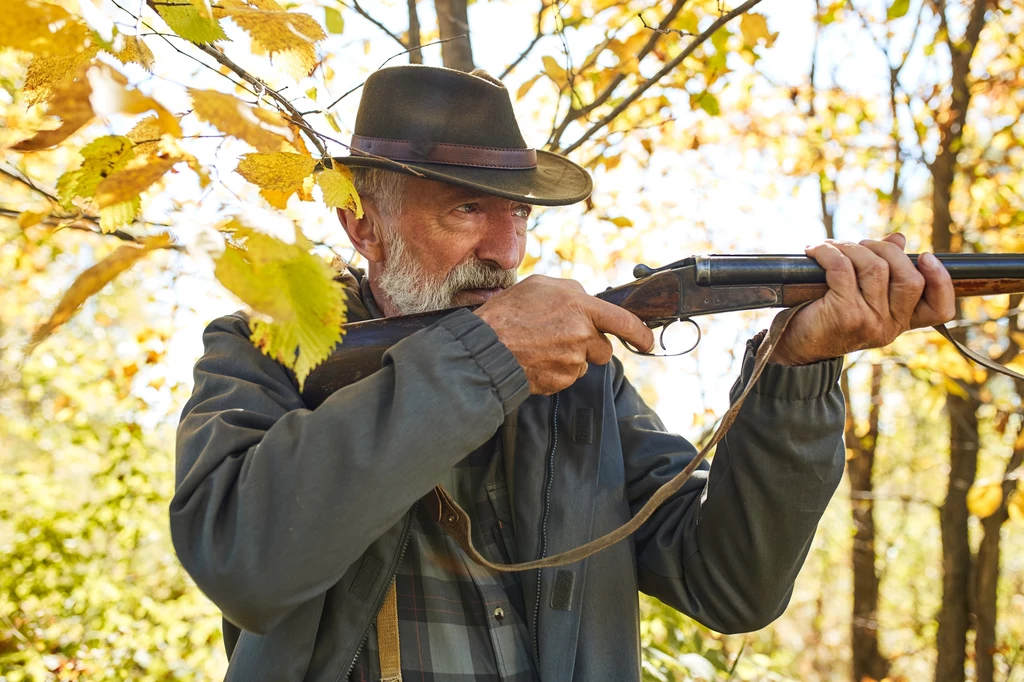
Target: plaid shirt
<point x="457" y="621"/>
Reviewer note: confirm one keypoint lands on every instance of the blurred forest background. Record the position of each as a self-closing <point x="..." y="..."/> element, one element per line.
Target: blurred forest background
<point x="709" y="126"/>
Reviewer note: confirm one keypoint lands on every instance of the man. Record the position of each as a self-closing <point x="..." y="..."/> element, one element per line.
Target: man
<point x="305" y="526"/>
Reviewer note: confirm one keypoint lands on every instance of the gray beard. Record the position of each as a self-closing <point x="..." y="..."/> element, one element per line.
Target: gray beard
<point x="411" y="290"/>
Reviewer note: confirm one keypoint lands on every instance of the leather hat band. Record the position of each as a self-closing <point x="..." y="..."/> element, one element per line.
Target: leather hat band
<point x="445" y="153"/>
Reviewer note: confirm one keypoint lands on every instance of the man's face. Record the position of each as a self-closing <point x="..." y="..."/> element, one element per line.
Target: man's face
<point x="449" y="247"/>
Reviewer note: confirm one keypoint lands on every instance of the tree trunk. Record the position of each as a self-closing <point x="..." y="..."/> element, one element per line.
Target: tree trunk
<point x="453" y="23"/>
<point x="415" y="55"/>
<point x="951" y="639"/>
<point x="868" y="661"/>
<point x="986" y="574"/>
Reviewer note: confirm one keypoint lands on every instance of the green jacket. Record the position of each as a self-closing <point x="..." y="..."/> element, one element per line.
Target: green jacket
<point x="292" y="521"/>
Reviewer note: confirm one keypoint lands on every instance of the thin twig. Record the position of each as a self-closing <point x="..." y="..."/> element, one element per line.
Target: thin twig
<point x="665" y="70"/>
<point x="28" y="183"/>
<point x="366" y="15"/>
<point x="536" y="39"/>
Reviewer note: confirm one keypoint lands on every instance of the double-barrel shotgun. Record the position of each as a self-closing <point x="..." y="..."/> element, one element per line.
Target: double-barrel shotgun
<point x="680" y="291"/>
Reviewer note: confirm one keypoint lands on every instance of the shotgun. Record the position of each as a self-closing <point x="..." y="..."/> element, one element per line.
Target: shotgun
<point x="680" y="291"/>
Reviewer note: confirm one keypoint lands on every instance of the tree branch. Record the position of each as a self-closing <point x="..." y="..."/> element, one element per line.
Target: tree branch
<point x="574" y="114"/>
<point x="415" y="55"/>
<point x="536" y="39"/>
<point x="665" y="70"/>
<point x="366" y="15"/>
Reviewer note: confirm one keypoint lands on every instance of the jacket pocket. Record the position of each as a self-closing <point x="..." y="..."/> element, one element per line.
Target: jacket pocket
<point x="504" y="537"/>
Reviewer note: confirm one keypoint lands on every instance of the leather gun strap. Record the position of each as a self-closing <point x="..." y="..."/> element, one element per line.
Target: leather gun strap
<point x="456" y="522"/>
<point x="987" y="363"/>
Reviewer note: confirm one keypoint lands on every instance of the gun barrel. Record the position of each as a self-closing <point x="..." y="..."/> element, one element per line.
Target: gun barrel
<point x="799" y="269"/>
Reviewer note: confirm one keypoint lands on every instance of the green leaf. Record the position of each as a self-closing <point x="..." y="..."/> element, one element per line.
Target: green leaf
<point x="186" y="20"/>
<point x="116" y="216"/>
<point x="898" y="9"/>
<point x="100" y="158"/>
<point x="333" y="20"/>
<point x="709" y="103"/>
<point x="298" y="306"/>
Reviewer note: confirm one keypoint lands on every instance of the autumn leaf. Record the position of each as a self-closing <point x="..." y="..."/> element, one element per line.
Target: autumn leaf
<point x="46" y="75"/>
<point x="334" y="21"/>
<point x="131" y="181"/>
<point x="554" y="71"/>
<point x="298" y="306"/>
<point x="94" y="279"/>
<point x="620" y="221"/>
<point x="111" y="95"/>
<point x="1015" y="506"/>
<point x="116" y="216"/>
<point x="984" y="498"/>
<point x="525" y="87"/>
<point x="281" y="171"/>
<point x="44" y="29"/>
<point x="897" y="9"/>
<point x="339" y="192"/>
<point x="70" y="103"/>
<point x="135" y="51"/>
<point x="291" y="35"/>
<point x="146" y="135"/>
<point x="230" y="115"/>
<point x="100" y="158"/>
<point x="754" y="28"/>
<point x="189" y="22"/>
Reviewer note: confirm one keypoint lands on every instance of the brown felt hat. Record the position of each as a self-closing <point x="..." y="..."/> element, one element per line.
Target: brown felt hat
<point x="458" y="128"/>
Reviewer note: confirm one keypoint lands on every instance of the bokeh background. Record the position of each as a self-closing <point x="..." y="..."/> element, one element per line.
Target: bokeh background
<point x="798" y="121"/>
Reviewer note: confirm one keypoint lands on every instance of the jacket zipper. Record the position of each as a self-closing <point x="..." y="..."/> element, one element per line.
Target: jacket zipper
<point x="406" y="535"/>
<point x="544" y="524"/>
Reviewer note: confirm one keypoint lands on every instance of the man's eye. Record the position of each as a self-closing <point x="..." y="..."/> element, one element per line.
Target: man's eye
<point x="466" y="208"/>
<point x="521" y="211"/>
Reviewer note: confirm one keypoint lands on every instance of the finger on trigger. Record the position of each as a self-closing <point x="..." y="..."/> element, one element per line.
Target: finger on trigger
<point x="611" y="319"/>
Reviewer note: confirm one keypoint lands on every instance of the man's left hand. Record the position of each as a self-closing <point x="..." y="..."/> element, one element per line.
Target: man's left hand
<point x="875" y="294"/>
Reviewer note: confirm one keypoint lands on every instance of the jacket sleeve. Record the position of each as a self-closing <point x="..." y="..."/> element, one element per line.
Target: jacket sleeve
<point x="274" y="502"/>
<point x="726" y="549"/>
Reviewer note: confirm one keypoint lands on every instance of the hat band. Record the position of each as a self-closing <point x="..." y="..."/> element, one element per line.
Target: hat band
<point x="445" y="153"/>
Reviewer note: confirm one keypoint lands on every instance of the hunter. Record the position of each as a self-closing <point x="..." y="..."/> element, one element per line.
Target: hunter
<point x="305" y="527"/>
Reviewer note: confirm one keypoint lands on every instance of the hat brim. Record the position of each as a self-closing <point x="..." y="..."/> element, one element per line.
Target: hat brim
<point x="556" y="181"/>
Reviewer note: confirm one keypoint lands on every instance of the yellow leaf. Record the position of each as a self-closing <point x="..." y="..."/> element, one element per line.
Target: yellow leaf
<point x="621" y="222"/>
<point x="528" y="263"/>
<point x="1015" y="506"/>
<point x="94" y="279"/>
<point x="290" y="34"/>
<point x="27" y="219"/>
<point x="146" y="135"/>
<point x="70" y="102"/>
<point x="754" y="27"/>
<point x="280" y="171"/>
<point x="230" y="115"/>
<point x="130" y="182"/>
<point x="189" y="22"/>
<point x="298" y="307"/>
<point x="277" y="198"/>
<point x="45" y="75"/>
<point x="100" y="158"/>
<point x="111" y="95"/>
<point x="554" y="71"/>
<point x="525" y="87"/>
<point x="135" y="51"/>
<point x="983" y="499"/>
<point x="339" y="192"/>
<point x="119" y="215"/>
<point x="41" y="28"/>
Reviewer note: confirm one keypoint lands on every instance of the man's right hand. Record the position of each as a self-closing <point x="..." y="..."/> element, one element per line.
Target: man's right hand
<point x="554" y="329"/>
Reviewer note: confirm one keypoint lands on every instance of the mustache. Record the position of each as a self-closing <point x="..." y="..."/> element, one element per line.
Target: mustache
<point x="475" y="274"/>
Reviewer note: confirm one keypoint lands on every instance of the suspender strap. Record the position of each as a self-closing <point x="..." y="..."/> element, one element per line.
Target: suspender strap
<point x="387" y="638"/>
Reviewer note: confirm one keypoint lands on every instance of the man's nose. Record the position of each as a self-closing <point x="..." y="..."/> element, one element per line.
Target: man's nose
<point x="500" y="243"/>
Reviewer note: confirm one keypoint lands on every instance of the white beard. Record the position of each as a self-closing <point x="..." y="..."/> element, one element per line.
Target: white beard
<point x="411" y="290"/>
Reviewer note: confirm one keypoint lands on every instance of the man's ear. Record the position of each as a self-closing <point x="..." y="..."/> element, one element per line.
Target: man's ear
<point x="363" y="232"/>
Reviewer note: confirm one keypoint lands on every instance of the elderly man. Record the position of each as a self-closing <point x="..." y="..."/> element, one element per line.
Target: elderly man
<point x="306" y="527"/>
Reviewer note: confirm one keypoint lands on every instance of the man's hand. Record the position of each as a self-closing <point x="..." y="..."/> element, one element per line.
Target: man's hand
<point x="554" y="328"/>
<point x="875" y="294"/>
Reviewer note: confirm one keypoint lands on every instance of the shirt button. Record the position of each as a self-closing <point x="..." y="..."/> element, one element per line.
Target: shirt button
<point x="499" y="614"/>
